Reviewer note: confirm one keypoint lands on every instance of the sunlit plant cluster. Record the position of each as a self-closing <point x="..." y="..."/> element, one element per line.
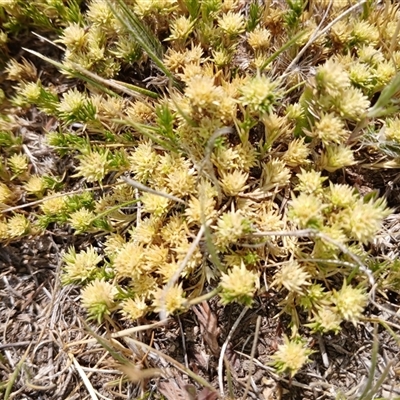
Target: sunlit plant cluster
<point x="183" y="176"/>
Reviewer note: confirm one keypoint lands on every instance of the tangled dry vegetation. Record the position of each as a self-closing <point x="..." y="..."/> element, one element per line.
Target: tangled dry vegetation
<point x="199" y="199"/>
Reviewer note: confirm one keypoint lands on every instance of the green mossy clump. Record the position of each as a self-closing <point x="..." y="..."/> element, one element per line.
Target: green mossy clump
<point x="209" y="134"/>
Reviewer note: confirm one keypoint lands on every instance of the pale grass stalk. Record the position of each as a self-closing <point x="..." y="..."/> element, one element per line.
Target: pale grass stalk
<point x="252" y="353"/>
<point x="85" y="379"/>
<point x="223" y="350"/>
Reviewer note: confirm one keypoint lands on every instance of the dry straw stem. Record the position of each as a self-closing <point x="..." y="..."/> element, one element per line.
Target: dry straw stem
<point x="135" y="343"/>
<point x="223" y="350"/>
<point x="84" y="378"/>
<point x="340" y="246"/>
<point x="58" y="195"/>
<point x="252" y="354"/>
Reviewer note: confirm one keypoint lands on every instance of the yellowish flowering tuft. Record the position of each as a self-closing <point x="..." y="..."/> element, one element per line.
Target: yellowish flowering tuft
<point x="342" y="195"/>
<point x="259" y="94"/>
<point x="233" y="183"/>
<point x="275" y="174"/>
<point x="297" y="153"/>
<point x="329" y="129"/>
<point x="336" y="157"/>
<point x="100" y="14"/>
<point x="53" y="205"/>
<point x="181" y="181"/>
<point x="18" y="225"/>
<point x="18" y="163"/>
<point x="365" y="33"/>
<point x="133" y="309"/>
<point x="5" y="193"/>
<point x="232" y="23"/>
<point x="80" y="267"/>
<point x="306" y="211"/>
<point x="140" y="111"/>
<point x="3" y="230"/>
<point x="143" y="161"/>
<point x="72" y="102"/>
<point x="239" y="285"/>
<point x="363" y="219"/>
<point x="98" y="297"/>
<point x="332" y="78"/>
<point x="201" y="209"/>
<point x="81" y="220"/>
<point x="325" y="320"/>
<point x="291" y="356"/>
<point x="231" y="226"/>
<point x="221" y="58"/>
<point x="35" y="185"/>
<point x="350" y="302"/>
<point x="205" y="98"/>
<point x="352" y="104"/>
<point x="146" y="231"/>
<point x="310" y="182"/>
<point x="113" y="244"/>
<point x="31" y="91"/>
<point x="74" y="37"/>
<point x="170" y="301"/>
<point x="146" y="7"/>
<point x="361" y="75"/>
<point x="93" y="166"/>
<point x="153" y="257"/>
<point x="174" y="230"/>
<point x="181" y="28"/>
<point x="155" y="204"/>
<point x="392" y="130"/>
<point x="128" y="261"/>
<point x="293" y="277"/>
<point x="18" y="71"/>
<point x="144" y="285"/>
<point x="259" y="38"/>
